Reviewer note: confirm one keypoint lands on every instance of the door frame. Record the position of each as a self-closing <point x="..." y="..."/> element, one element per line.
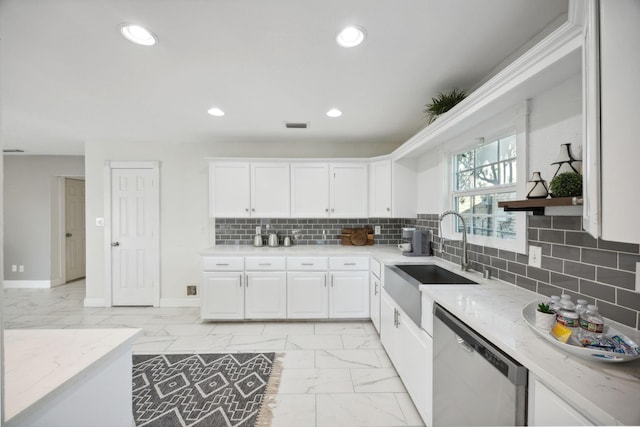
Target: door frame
<point x="109" y="165"/>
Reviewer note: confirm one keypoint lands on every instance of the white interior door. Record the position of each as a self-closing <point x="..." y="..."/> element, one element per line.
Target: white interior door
<point x="74" y="226"/>
<point x="135" y="236"/>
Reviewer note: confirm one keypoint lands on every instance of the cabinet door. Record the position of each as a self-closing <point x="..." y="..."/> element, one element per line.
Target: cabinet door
<point x="309" y="190"/>
<point x="307" y="295"/>
<point x="374" y="286"/>
<point x="388" y="330"/>
<point x="229" y="190"/>
<point x="415" y="366"/>
<point x="380" y="189"/>
<point x="546" y="408"/>
<point x="222" y="296"/>
<point x="270" y="195"/>
<point x="265" y="295"/>
<point x="349" y="295"/>
<point x="348" y="190"/>
<point x="619" y="112"/>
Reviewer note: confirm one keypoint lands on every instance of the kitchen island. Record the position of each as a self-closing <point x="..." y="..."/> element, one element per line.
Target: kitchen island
<point x="68" y="377"/>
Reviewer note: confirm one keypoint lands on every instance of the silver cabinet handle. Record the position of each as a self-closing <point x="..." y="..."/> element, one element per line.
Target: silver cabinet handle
<point x="222" y="263"/>
<point x="397" y="318"/>
<point x="246" y="281"/>
<point x="349" y="263"/>
<point x="115" y="244"/>
<point x="464" y="344"/>
<point x="307" y="263"/>
<point x="240" y="279"/>
<point x="332" y="280"/>
<point x="325" y="280"/>
<point x="253" y="209"/>
<point x="388" y="209"/>
<point x="326" y="210"/>
<point x="333" y="210"/>
<point x="265" y="263"/>
<point x="375" y="288"/>
<point x="246" y="209"/>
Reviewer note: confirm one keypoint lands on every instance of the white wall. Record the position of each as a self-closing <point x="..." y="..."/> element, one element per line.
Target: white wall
<point x="185" y="228"/>
<point x="30" y="208"/>
<point x="555" y="118"/>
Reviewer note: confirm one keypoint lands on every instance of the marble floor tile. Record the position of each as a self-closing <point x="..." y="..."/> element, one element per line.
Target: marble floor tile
<point x="362" y="342"/>
<point x="409" y="410"/>
<point x="257" y="342"/>
<point x="201" y="343"/>
<point x="314" y="342"/>
<point x="188" y="329"/>
<point x="340" y="328"/>
<point x="292" y="410"/>
<point x="287" y="328"/>
<point x="298" y="359"/>
<point x="80" y="320"/>
<point x="315" y="381"/>
<point x="358" y="409"/>
<point x="236" y="328"/>
<point x="347" y="359"/>
<point x="383" y="358"/>
<point x="383" y="380"/>
<point x="152" y="345"/>
<point x="34" y="321"/>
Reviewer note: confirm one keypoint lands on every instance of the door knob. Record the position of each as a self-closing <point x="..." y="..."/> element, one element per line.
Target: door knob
<point x="114" y="244"/>
<point x="68" y="235"/>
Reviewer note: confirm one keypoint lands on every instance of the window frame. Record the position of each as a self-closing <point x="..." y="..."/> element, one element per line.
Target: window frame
<point x="518" y="124"/>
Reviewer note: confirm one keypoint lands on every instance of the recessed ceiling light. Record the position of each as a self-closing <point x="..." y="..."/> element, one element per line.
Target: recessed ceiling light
<point x="137" y="34"/>
<point x="350" y="37"/>
<point x="334" y="112"/>
<point x="215" y="111"/>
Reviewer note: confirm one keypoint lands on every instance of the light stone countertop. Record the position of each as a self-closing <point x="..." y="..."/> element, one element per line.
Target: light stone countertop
<point x="607" y="393"/>
<point x="40" y="363"/>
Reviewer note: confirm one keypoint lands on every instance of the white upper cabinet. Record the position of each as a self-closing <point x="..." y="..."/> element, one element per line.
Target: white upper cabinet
<point x="270" y="190"/>
<point x="619" y="112"/>
<point x="229" y="190"/>
<point x="348" y="190"/>
<point x="380" y="189"/>
<point x="309" y="190"/>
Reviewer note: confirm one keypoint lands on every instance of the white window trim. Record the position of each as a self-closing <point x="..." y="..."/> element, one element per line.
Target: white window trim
<point x="520" y="125"/>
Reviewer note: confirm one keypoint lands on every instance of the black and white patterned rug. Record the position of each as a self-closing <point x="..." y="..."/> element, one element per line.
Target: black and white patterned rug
<point x="203" y="390"/>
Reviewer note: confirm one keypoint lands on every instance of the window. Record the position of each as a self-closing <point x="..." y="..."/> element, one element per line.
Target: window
<point x="482" y="177"/>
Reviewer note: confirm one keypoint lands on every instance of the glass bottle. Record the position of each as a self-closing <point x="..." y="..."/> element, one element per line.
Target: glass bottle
<point x="581" y="306"/>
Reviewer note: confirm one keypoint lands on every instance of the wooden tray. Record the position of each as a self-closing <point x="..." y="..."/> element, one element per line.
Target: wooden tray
<point x="357" y="236"/>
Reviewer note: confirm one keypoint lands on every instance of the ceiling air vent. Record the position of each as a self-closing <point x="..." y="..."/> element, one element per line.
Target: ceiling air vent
<point x="13" y="150"/>
<point x="296" y="125"/>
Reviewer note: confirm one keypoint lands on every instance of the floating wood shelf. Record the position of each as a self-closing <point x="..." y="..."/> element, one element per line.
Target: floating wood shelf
<point x="536" y="206"/>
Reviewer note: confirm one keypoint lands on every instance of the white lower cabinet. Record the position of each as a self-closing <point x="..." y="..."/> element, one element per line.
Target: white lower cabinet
<point x="546" y="408"/>
<point x="349" y="295"/>
<point x="265" y="295"/>
<point x="307" y="295"/>
<point x="222" y="295"/>
<point x="374" y="297"/>
<point x="411" y="352"/>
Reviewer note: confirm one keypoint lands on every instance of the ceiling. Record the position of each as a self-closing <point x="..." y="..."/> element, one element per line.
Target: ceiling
<point x="68" y="77"/>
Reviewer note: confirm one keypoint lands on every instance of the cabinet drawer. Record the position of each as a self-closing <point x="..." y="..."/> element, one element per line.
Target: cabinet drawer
<point x="376" y="268"/>
<point x="262" y="263"/>
<point x="222" y="263"/>
<point x="349" y="263"/>
<point x="307" y="263"/>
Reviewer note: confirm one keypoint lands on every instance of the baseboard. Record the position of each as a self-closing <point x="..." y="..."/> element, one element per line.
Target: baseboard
<point x="179" y="302"/>
<point x="27" y="284"/>
<point x="94" y="302"/>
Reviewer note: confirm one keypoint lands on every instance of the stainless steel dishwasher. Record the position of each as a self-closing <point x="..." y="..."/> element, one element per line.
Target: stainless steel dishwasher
<point x="474" y="382"/>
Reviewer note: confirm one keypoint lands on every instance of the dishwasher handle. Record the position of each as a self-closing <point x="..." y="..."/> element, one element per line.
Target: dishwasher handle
<point x="510" y="368"/>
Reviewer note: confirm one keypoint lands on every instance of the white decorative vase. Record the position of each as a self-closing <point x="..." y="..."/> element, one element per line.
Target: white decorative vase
<point x="566" y="161"/>
<point x="537" y="187"/>
<point x="545" y="320"/>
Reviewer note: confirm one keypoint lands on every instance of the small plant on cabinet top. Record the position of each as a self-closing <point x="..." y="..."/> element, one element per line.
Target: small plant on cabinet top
<point x="443" y="103"/>
<point x="567" y="184"/>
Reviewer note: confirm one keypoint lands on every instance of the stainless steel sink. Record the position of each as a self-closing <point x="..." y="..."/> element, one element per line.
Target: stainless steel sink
<point x="429" y="274"/>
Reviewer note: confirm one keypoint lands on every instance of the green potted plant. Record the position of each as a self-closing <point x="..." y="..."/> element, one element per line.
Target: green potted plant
<point x="567" y="184"/>
<point x="545" y="317"/>
<point x="443" y="103"/>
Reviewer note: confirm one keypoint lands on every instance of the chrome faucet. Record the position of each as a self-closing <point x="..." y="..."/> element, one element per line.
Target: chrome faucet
<point x="464" y="261"/>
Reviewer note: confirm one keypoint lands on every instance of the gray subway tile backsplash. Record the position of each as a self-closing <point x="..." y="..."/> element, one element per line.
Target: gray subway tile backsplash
<point x="602" y="272"/>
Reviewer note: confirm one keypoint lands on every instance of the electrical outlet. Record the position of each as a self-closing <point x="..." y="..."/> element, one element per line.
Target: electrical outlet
<point x="535" y="256"/>
<point x="376" y="230"/>
<point x="192" y="290"/>
<point x="21" y="268"/>
<point x="99" y="222"/>
<point x="14" y="268"/>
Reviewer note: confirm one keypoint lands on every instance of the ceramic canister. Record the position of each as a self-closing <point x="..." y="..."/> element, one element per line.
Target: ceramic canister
<point x="537" y="187"/>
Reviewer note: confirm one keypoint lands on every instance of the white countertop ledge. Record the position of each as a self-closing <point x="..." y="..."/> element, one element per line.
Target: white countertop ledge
<point x="39" y="363"/>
